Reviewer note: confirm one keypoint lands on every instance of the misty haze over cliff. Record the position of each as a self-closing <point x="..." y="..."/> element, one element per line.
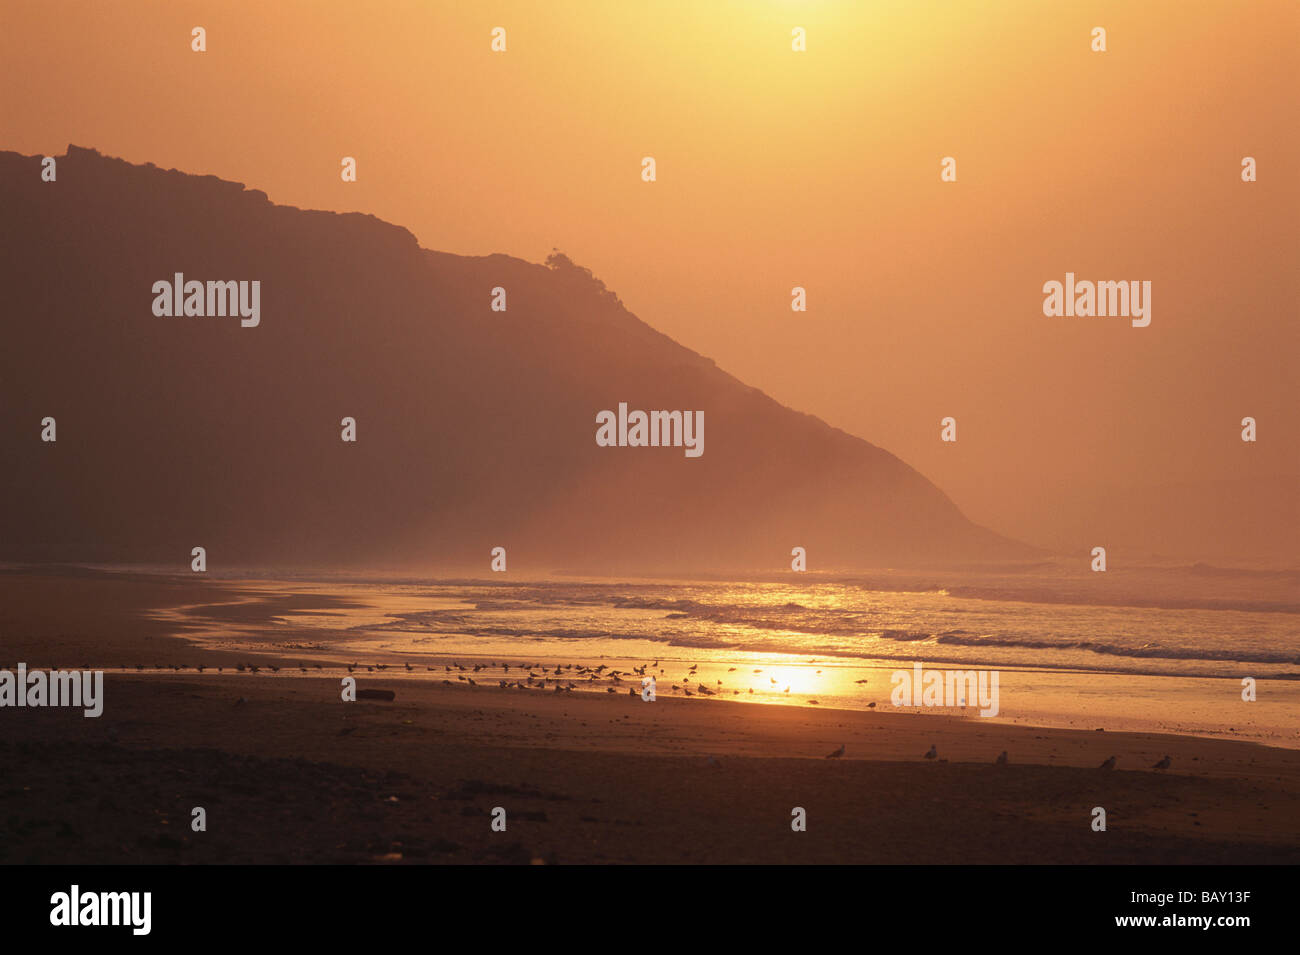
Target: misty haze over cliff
<point x="475" y="428"/>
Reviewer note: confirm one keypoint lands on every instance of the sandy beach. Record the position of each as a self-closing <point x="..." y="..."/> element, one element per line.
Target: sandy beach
<point x="287" y="772"/>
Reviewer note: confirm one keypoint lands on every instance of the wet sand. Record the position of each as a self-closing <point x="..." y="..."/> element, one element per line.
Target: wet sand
<point x="287" y="772"/>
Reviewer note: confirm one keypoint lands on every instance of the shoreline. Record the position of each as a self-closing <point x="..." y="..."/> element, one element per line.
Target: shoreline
<point x="289" y="773"/>
<point x="140" y="621"/>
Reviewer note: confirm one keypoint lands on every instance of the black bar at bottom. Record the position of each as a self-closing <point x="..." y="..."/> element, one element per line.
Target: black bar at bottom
<point x="336" y="904"/>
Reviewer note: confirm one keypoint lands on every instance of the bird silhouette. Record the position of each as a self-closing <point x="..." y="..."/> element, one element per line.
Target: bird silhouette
<point x="1109" y="764"/>
<point x="1001" y="760"/>
<point x="933" y="753"/>
<point x="837" y="754"/>
<point x="1163" y="764"/>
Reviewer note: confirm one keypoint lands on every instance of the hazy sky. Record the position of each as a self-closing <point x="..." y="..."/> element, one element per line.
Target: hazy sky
<point x="778" y="169"/>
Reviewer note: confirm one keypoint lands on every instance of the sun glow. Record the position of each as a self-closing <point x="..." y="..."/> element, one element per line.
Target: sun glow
<point x="796" y="680"/>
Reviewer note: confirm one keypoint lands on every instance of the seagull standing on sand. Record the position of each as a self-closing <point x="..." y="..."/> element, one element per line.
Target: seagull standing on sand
<point x="1109" y="764"/>
<point x="837" y="754"/>
<point x="933" y="753"/>
<point x="1163" y="764"/>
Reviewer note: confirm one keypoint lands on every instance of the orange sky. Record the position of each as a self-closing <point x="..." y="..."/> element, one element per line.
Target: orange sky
<point x="778" y="169"/>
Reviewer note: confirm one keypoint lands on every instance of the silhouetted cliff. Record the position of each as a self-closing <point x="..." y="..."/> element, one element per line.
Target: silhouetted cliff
<point x="475" y="428"/>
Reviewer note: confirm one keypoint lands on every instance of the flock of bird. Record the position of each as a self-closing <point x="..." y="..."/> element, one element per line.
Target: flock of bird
<point x="566" y="677"/>
<point x="562" y="677"/>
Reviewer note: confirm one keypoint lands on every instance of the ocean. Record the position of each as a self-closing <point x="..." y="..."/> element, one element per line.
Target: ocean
<point x="831" y="643"/>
